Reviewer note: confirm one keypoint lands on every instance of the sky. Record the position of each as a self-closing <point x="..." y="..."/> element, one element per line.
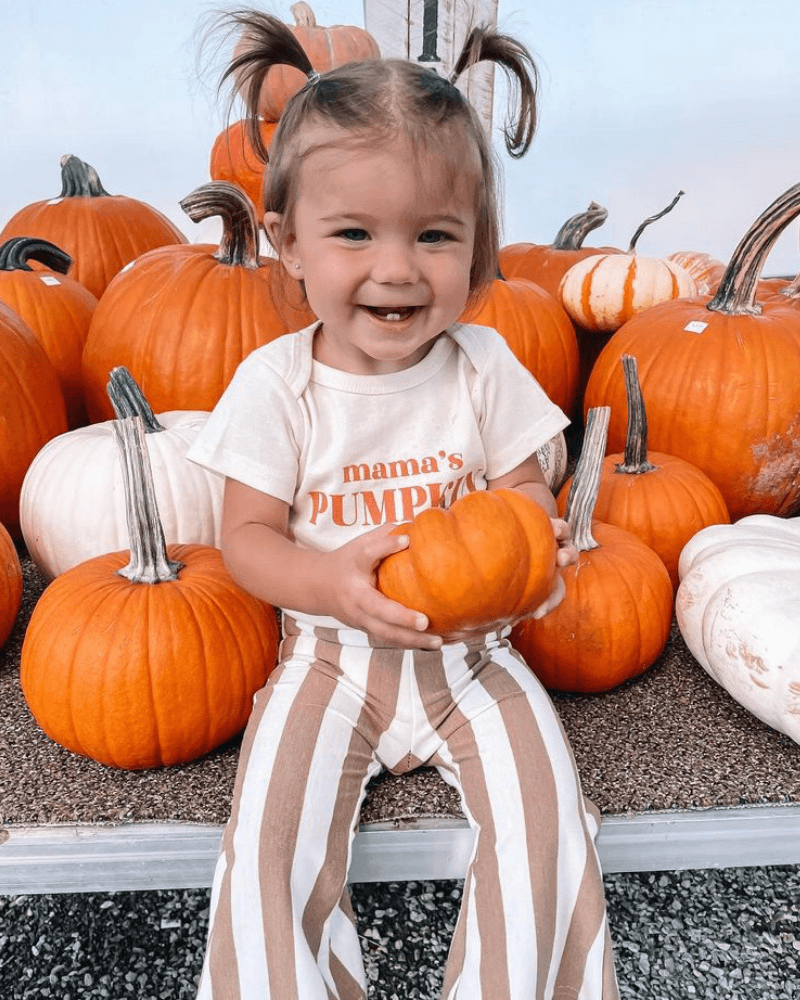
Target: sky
<point x="639" y="99"/>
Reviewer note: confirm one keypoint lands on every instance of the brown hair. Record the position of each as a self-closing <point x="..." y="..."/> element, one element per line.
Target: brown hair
<point x="387" y="97"/>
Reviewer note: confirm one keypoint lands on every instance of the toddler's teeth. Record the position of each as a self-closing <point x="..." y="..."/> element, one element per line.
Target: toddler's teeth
<point x="393" y="315"/>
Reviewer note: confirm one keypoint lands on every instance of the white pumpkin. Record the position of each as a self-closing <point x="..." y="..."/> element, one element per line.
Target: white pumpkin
<point x="738" y="609"/>
<point x="553" y="460"/>
<point x="72" y="504"/>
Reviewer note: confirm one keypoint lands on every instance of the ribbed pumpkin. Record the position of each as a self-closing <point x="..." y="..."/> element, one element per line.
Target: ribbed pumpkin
<point x="660" y="498"/>
<point x="720" y="378"/>
<point x="10" y="584"/>
<point x="31" y="409"/>
<point x="326" y="48"/>
<point x="538" y="331"/>
<point x="547" y="263"/>
<point x="614" y="620"/>
<point x="706" y="270"/>
<point x="72" y="504"/>
<point x="491" y="555"/>
<point x="181" y="319"/>
<point x="233" y="159"/>
<point x="604" y="291"/>
<point x="149" y="657"/>
<point x="101" y="232"/>
<point x="56" y="308"/>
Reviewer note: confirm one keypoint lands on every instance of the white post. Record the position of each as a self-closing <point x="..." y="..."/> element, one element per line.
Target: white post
<point x="432" y="32"/>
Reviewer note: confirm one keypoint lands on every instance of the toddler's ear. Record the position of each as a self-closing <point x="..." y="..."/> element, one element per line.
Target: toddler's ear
<point x="283" y="243"/>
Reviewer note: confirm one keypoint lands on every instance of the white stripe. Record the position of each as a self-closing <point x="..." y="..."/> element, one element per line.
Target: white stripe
<point x="204" y="992"/>
<point x="592" y="986"/>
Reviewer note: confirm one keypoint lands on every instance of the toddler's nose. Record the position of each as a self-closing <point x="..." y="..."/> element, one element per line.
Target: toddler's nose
<point x="394" y="265"/>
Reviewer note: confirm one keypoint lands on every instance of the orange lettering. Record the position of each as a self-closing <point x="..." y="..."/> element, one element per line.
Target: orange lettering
<point x="375" y="513"/>
<point x="337" y="509"/>
<point x="319" y="504"/>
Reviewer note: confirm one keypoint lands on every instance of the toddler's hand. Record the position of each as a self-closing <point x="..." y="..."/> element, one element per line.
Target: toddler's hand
<point x="349" y="577"/>
<point x="567" y="552"/>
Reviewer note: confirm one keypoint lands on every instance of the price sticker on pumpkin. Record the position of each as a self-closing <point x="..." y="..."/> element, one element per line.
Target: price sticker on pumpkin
<point x="695" y="326"/>
<point x="48" y="279"/>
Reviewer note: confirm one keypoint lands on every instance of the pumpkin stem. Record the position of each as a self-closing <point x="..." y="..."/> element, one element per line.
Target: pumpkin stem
<point x="635" y="457"/>
<point x="149" y="562"/>
<point x="582" y="495"/>
<point x="575" y="230"/>
<point x="646" y="223"/>
<point x="792" y="290"/>
<point x="303" y="15"/>
<point x="737" y="290"/>
<point x="17" y="251"/>
<point x="79" y="180"/>
<point x="128" y="399"/>
<point x="239" y="243"/>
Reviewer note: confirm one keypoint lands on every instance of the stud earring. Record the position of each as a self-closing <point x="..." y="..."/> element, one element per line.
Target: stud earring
<point x="297" y="267"/>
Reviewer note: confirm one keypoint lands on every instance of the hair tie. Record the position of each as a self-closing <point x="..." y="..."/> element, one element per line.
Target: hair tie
<point x="313" y="76"/>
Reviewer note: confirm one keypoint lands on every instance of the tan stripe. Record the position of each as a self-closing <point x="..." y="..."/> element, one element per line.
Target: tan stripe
<point x="221" y="960"/>
<point x="587" y="922"/>
<point x="347" y="988"/>
<point x="283" y="807"/>
<point x="383" y="683"/>
<point x="458" y="736"/>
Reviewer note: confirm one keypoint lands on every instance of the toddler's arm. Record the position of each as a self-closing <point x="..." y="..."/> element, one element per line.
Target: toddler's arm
<point x="264" y="561"/>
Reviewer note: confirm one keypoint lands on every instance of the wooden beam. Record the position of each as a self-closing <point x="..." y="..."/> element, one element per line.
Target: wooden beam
<point x="432" y="33"/>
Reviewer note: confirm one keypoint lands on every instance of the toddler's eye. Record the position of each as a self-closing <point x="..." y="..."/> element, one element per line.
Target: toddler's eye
<point x="355" y="235"/>
<point x="434" y="236"/>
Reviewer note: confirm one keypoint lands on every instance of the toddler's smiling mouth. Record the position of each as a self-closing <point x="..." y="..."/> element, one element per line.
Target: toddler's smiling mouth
<point x="392" y="314"/>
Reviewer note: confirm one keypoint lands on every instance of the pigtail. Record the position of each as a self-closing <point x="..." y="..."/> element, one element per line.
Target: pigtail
<point x="264" y="41"/>
<point x="484" y="43"/>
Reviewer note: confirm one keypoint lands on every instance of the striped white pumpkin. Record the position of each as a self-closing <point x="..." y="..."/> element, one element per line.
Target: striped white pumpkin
<point x="604" y="291"/>
<point x="72" y="504"/>
<point x="553" y="460"/>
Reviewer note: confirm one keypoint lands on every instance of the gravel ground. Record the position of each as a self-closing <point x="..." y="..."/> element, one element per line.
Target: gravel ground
<point x="729" y="933"/>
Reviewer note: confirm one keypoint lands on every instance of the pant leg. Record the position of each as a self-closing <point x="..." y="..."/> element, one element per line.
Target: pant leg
<point x="281" y="926"/>
<point x="533" y="921"/>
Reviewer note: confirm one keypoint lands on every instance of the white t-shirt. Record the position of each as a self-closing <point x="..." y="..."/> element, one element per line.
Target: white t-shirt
<point x="350" y="452"/>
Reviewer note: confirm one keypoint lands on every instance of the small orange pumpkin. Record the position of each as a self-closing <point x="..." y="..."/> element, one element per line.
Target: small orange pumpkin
<point x="149" y="657"/>
<point x="491" y="555"/>
<point x="615" y="618"/>
<point x="57" y="308"/>
<point x="662" y="499"/>
<point x="101" y="232"/>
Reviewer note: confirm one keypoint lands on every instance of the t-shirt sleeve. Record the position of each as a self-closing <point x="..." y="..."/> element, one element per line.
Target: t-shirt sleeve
<point x="253" y="432"/>
<point x="516" y="415"/>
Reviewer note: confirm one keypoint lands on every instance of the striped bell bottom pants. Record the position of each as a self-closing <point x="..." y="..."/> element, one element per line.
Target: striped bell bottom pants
<point x="335" y="712"/>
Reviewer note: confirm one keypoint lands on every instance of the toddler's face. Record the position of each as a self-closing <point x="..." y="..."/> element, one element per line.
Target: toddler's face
<point x="384" y="242"/>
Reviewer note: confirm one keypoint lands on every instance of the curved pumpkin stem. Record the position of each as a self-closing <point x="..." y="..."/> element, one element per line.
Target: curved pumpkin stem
<point x="582" y="495"/>
<point x="128" y="400"/>
<point x="575" y="230"/>
<point x="149" y="562"/>
<point x="635" y="458"/>
<point x="17" y="251"/>
<point x="303" y="15"/>
<point x="737" y="289"/>
<point x="792" y="290"/>
<point x="239" y="243"/>
<point x="79" y="180"/>
<point x="646" y="223"/>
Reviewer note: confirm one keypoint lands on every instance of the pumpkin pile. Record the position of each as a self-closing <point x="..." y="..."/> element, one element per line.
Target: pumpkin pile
<point x="118" y="336"/>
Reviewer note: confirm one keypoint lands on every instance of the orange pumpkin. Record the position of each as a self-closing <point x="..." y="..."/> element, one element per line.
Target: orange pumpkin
<point x="326" y="48"/>
<point x="150" y="657"/>
<point x="101" y="232"/>
<point x="603" y="291"/>
<point x="10" y="584"/>
<point x="491" y="555"/>
<point x="537" y="330"/>
<point x="183" y="317"/>
<point x="615" y="618"/>
<point x="721" y="379"/>
<point x="546" y="263"/>
<point x="56" y="308"/>
<point x="660" y="498"/>
<point x="233" y="159"/>
<point x="32" y="408"/>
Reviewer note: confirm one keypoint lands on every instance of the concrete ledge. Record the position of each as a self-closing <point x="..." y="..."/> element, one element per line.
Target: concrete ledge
<point x="134" y="856"/>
